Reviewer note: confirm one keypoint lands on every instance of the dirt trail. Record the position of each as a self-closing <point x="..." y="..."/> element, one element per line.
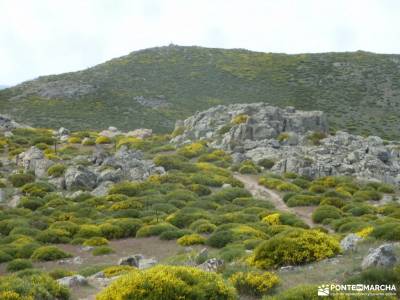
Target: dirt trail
<point x="251" y="184"/>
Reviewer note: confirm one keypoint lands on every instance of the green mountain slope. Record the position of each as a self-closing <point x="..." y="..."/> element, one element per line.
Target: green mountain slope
<point x="152" y="88"/>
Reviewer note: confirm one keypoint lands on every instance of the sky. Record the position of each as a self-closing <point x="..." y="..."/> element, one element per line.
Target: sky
<point x="42" y="37"/>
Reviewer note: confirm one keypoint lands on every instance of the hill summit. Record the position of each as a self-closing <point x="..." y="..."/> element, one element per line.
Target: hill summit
<point x="152" y="88"/>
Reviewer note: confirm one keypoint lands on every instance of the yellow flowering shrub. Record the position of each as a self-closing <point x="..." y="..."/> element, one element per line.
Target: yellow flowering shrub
<point x="272" y="219"/>
<point x="192" y="150"/>
<point x="191" y="239"/>
<point x="239" y="119"/>
<point x="74" y="140"/>
<point x="254" y="283"/>
<point x="103" y="140"/>
<point x="169" y="283"/>
<point x="363" y="233"/>
<point x="117" y="270"/>
<point x="96" y="241"/>
<point x="271" y="183"/>
<point x="131" y="142"/>
<point x="293" y="247"/>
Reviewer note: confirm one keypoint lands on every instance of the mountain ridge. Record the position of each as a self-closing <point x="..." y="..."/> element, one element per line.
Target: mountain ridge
<point x="359" y="91"/>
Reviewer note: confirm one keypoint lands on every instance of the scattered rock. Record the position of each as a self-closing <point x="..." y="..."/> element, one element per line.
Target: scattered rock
<point x="102" y="189"/>
<point x="349" y="242"/>
<point x="132" y="260"/>
<point x="226" y="186"/>
<point x="212" y="265"/>
<point x="80" y="178"/>
<point x="72" y="281"/>
<point x="146" y="263"/>
<point x="287" y="268"/>
<point x="140" y="133"/>
<point x="34" y="160"/>
<point x="383" y="256"/>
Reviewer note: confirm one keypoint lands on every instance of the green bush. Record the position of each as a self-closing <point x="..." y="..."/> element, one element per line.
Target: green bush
<point x="35" y="286"/>
<point x="48" y="253"/>
<point x="4" y="257"/>
<point x="154" y="230"/>
<point x="102" y="251"/>
<point x="266" y="163"/>
<point x="56" y="170"/>
<point x="60" y="273"/>
<point x="388" y="232"/>
<point x="96" y="241"/>
<point x="326" y="212"/>
<point x="18" y="180"/>
<point x="366" y="195"/>
<point x="192" y="150"/>
<point x="169" y="283"/>
<point x="293" y="247"/>
<point x="37" y="189"/>
<point x="219" y="239"/>
<point x="173" y="234"/>
<point x="254" y="283"/>
<point x="19" y="264"/>
<point x="232" y="252"/>
<point x="54" y="236"/>
<point x="89" y="231"/>
<point x="191" y="239"/>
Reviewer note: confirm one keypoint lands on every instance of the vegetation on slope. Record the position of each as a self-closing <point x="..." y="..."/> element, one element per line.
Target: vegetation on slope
<point x="152" y="88"/>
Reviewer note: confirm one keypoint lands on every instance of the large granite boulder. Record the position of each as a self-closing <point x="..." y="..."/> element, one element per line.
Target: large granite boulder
<point x="349" y="242"/>
<point x="72" y="281"/>
<point x="34" y="160"/>
<point x="383" y="256"/>
<point x="79" y="177"/>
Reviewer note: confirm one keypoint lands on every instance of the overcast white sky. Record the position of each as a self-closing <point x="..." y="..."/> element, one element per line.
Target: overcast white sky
<point x="40" y="37"/>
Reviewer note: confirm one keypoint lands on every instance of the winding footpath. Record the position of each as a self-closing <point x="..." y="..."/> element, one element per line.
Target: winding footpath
<point x="251" y="184"/>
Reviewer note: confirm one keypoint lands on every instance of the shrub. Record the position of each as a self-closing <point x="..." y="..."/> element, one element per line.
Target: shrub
<point x="304" y="184"/>
<point x="288" y="187"/>
<point x="56" y="170"/>
<point x="317" y="188"/>
<point x="326" y="212"/>
<point x="60" y="273"/>
<point x="366" y="195"/>
<point x="388" y="232"/>
<point x="303" y="200"/>
<point x="386" y="189"/>
<point x="19" y="264"/>
<point x="186" y="216"/>
<point x="129" y="189"/>
<point x="102" y="251"/>
<point x="4" y="257"/>
<point x="239" y="119"/>
<point x="103" y="140"/>
<point x="232" y="252"/>
<point x="272" y="219"/>
<point x="254" y="283"/>
<point x="284" y="136"/>
<point x="35" y="286"/>
<point x="47" y="253"/>
<point x="374" y="275"/>
<point x="18" y="180"/>
<point x="54" y="236"/>
<point x="173" y="234"/>
<point x="192" y="150"/>
<point x="154" y="230"/>
<point x="191" y="239"/>
<point x="89" y="231"/>
<point x="219" y="239"/>
<point x="292" y="247"/>
<point x="74" y="140"/>
<point x="96" y="241"/>
<point x="169" y="283"/>
<point x="316" y="137"/>
<point x="199" y="189"/>
<point x="37" y="189"/>
<point x="113" y="271"/>
<point x="266" y="163"/>
<point x="248" y="169"/>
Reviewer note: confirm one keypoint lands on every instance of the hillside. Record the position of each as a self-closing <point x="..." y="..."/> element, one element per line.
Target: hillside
<point x="2" y="87"/>
<point x="359" y="91"/>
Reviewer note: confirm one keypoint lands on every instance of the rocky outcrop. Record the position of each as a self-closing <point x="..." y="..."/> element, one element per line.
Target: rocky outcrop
<point x="383" y="256"/>
<point x="212" y="265"/>
<point x="259" y="121"/>
<point x="79" y="177"/>
<point x="72" y="281"/>
<point x="7" y="124"/>
<point x="34" y="160"/>
<point x="297" y="141"/>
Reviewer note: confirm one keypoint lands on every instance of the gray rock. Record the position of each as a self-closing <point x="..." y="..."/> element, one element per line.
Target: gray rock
<point x="383" y="256"/>
<point x="132" y="260"/>
<point x="80" y="178"/>
<point x="34" y="160"/>
<point x="349" y="242"/>
<point x="146" y="263"/>
<point x="212" y="265"/>
<point x="63" y="131"/>
<point x="102" y="189"/>
<point x="72" y="281"/>
<point x="140" y="133"/>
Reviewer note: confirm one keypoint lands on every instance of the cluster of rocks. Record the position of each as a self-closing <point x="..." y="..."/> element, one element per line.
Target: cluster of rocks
<point x="138" y="261"/>
<point x="97" y="173"/>
<point x="140" y="133"/>
<point x="284" y="135"/>
<point x="7" y="124"/>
